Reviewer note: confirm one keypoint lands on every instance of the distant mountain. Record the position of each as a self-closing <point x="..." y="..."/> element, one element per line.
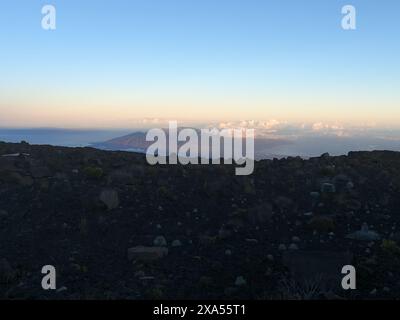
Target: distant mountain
<point x="131" y="142"/>
<point x="59" y="136"/>
<point x="136" y="142"/>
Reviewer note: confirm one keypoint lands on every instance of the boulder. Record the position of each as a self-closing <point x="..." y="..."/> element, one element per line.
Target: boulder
<point x="328" y="188"/>
<point x="364" y="234"/>
<point x="240" y="281"/>
<point x="176" y="243"/>
<point x="110" y="198"/>
<point x="146" y="254"/>
<point x="160" y="241"/>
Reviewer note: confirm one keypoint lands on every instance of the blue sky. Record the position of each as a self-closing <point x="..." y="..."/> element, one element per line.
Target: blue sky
<point x="110" y="62"/>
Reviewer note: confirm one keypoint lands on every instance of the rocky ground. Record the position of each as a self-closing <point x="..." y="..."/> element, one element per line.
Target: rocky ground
<point x="115" y="227"/>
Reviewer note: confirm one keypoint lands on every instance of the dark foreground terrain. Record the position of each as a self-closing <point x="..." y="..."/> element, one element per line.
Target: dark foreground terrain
<point x="115" y="227"/>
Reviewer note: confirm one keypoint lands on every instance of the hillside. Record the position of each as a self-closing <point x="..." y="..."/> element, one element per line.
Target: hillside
<point x="115" y="227"/>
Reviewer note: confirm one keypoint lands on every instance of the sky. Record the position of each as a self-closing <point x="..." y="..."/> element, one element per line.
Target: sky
<point x="113" y="63"/>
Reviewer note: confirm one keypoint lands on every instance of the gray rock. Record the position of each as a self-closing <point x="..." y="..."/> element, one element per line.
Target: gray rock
<point x="350" y="185"/>
<point x="110" y="198"/>
<point x="240" y="281"/>
<point x="147" y="254"/>
<point x="314" y="198"/>
<point x="373" y="292"/>
<point x="314" y="195"/>
<point x="328" y="188"/>
<point x="364" y="234"/>
<point x="15" y="155"/>
<point x="282" y="247"/>
<point x="176" y="243"/>
<point x="62" y="289"/>
<point x="160" y="241"/>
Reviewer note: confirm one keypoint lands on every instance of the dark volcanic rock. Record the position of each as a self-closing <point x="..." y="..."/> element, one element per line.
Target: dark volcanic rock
<point x="7" y="273"/>
<point x="146" y="254"/>
<point x="195" y="231"/>
<point x="110" y="198"/>
<point x="323" y="266"/>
